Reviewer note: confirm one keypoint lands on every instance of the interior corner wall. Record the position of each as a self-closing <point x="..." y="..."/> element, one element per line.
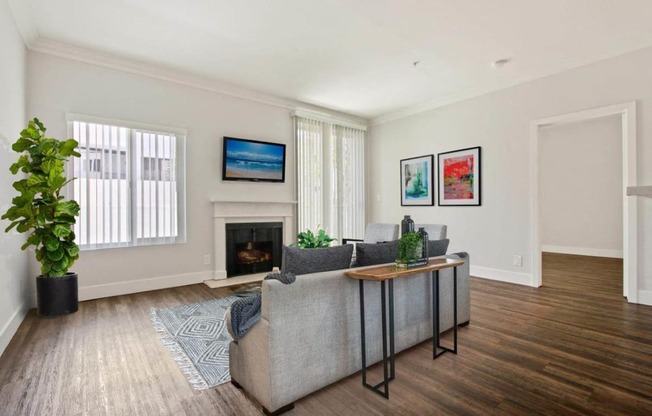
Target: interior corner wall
<point x="499" y="122"/>
<point x="14" y="275"/>
<point x="57" y="86"/>
<point x="581" y="179"/>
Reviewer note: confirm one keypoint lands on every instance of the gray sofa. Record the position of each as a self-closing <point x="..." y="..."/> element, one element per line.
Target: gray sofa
<point x="309" y="332"/>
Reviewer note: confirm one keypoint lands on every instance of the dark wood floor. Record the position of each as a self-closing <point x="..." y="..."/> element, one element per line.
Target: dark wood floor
<point x="571" y="347"/>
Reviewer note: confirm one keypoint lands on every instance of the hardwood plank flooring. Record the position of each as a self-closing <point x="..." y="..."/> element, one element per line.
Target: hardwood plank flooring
<point x="571" y="347"/>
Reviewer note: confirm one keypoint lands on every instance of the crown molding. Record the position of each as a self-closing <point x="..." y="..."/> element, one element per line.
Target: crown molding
<point x="106" y="60"/>
<point x="20" y="9"/>
<point x="543" y="72"/>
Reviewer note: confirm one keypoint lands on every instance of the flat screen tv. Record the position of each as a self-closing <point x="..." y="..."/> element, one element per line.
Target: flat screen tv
<point x="251" y="160"/>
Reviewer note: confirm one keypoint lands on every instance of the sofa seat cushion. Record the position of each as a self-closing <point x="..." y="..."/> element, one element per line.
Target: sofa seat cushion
<point x="314" y="260"/>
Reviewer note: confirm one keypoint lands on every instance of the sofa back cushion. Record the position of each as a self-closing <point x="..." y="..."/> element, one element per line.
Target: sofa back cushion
<point x="313" y="260"/>
<point x="437" y="247"/>
<point x="380" y="253"/>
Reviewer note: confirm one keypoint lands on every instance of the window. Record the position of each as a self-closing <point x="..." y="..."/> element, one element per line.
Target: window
<point x="330" y="162"/>
<point x="129" y="183"/>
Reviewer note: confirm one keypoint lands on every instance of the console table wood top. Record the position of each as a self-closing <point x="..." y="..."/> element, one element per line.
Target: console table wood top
<point x="379" y="274"/>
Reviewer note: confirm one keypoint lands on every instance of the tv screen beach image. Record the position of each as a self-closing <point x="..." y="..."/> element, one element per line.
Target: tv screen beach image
<point x="250" y="160"/>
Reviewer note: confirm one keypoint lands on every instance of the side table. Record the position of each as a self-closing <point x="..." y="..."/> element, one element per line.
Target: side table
<point x="387" y="274"/>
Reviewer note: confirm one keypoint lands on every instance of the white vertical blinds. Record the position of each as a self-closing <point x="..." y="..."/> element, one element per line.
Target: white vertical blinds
<point x="330" y="160"/>
<point x="128" y="186"/>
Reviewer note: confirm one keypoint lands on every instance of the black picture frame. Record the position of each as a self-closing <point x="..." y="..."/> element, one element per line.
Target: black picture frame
<point x="451" y="183"/>
<point x="417" y="169"/>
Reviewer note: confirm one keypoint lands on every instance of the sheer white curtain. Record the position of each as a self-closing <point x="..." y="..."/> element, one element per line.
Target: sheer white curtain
<point x="330" y="161"/>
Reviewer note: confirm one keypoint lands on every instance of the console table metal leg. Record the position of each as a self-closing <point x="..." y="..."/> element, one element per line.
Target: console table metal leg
<point x="435" y="314"/>
<point x="363" y="345"/>
<point x="454" y="310"/>
<point x="384" y="309"/>
<point x="391" y="329"/>
<point x="436" y="346"/>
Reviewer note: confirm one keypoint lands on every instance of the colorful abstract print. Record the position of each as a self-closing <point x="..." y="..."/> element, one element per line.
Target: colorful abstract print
<point x="458" y="177"/>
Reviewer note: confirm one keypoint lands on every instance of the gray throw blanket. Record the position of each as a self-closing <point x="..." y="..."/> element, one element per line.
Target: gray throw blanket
<point x="245" y="312"/>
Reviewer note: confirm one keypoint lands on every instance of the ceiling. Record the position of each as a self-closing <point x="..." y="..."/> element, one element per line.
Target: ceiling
<point x="351" y="56"/>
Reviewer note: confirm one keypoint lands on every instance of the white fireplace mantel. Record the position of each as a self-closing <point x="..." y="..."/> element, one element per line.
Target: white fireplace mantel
<point x="225" y="211"/>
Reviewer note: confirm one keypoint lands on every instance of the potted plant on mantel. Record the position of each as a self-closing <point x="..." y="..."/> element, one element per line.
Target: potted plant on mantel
<point x="42" y="212"/>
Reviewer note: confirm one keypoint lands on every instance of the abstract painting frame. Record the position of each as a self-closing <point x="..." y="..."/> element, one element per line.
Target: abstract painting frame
<point x="417" y="181"/>
<point x="459" y="177"/>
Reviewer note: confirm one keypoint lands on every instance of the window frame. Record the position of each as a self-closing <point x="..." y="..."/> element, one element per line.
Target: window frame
<point x="132" y="164"/>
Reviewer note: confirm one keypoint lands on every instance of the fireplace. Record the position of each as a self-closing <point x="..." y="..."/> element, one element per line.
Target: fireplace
<point x="253" y="247"/>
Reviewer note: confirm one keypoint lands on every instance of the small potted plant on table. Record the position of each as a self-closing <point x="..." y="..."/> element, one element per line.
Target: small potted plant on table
<point x="411" y="251"/>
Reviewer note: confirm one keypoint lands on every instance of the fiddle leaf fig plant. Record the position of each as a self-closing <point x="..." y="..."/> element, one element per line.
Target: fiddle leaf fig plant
<point x="39" y="209"/>
<point x="308" y="239"/>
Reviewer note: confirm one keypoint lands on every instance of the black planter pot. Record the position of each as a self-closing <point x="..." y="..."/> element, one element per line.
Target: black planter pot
<point x="57" y="295"/>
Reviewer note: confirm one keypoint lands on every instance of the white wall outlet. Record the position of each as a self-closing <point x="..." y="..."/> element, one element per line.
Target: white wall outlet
<point x="207" y="259"/>
<point x="518" y="261"/>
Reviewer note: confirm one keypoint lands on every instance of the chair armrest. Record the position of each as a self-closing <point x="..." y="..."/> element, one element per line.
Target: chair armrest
<point x="346" y="240"/>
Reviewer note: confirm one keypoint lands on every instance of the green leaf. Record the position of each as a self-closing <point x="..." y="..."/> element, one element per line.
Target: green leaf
<point x="73" y="250"/>
<point x="61" y="264"/>
<point x="39" y="124"/>
<point x="32" y="240"/>
<point x="35" y="179"/>
<point x="56" y="255"/>
<point x="68" y="208"/>
<point x="68" y="147"/>
<point x="22" y="144"/>
<point x="33" y="132"/>
<point x="22" y="162"/>
<point x="61" y="230"/>
<point x="12" y="225"/>
<point x="52" y="244"/>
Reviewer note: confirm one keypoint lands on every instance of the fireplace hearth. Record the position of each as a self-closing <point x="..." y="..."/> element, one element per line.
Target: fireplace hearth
<point x="253" y="247"/>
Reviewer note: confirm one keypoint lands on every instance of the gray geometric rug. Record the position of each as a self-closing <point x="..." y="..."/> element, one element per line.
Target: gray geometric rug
<point x="197" y="337"/>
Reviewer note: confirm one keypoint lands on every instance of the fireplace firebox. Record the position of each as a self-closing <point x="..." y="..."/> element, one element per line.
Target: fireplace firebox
<point x="253" y="247"/>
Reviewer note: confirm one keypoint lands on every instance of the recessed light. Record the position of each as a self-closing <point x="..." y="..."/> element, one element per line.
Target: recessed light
<point x="500" y="63"/>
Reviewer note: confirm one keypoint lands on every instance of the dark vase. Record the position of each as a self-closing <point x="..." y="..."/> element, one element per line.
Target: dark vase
<point x="407" y="225"/>
<point x="57" y="295"/>
<point x="424" y="242"/>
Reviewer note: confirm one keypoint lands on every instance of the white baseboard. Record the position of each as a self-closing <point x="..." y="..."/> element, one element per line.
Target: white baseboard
<point x="502" y="275"/>
<point x="11" y="326"/>
<point x="583" y="251"/>
<point x="142" y="285"/>
<point x="645" y="297"/>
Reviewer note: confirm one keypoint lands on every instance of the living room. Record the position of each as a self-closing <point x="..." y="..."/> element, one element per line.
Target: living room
<point x="450" y="90"/>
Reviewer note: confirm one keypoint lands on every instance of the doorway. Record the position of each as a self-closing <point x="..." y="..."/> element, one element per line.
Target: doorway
<point x="627" y="114"/>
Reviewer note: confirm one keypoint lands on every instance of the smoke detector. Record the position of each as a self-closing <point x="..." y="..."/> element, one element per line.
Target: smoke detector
<point x="500" y="63"/>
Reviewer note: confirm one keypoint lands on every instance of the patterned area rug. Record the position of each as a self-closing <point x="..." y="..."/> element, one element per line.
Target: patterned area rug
<point x="197" y="337"/>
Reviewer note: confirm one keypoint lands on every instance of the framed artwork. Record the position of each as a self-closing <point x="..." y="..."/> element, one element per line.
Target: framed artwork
<point x="417" y="178"/>
<point x="459" y="177"/>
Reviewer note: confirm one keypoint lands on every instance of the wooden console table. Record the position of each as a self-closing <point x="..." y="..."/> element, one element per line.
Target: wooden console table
<point x="389" y="273"/>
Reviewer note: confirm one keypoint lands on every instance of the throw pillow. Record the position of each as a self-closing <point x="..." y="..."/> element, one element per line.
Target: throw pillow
<point x="380" y="253"/>
<point x="437" y="247"/>
<point x="313" y="260"/>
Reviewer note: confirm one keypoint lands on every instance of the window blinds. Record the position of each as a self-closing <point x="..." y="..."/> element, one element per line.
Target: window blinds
<point x="127" y="185"/>
<point x="330" y="161"/>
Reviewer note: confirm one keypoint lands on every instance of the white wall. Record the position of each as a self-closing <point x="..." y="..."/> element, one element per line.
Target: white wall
<point x="57" y="85"/>
<point x="14" y="275"/>
<point x="581" y="181"/>
<point x="499" y="122"/>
